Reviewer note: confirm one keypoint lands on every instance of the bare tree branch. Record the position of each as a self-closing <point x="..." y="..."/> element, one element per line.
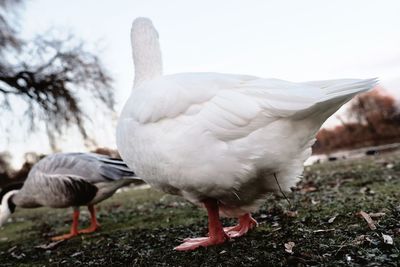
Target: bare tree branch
<point x="49" y="75"/>
<point x="8" y="36"/>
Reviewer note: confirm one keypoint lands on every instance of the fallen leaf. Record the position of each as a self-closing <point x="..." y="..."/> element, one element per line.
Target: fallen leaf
<point x="77" y="254"/>
<point x="292" y="214"/>
<point x="361" y="239"/>
<point x="18" y="256"/>
<point x="289" y="247"/>
<point x="333" y="218"/>
<point x="11" y="249"/>
<point x="368" y="219"/>
<point x="315" y="202"/>
<point x="387" y="239"/>
<point x="308" y="189"/>
<point x="367" y="190"/>
<point x="348" y="258"/>
<point x="377" y="214"/>
<point x="363" y="190"/>
<point x="48" y="246"/>
<point x="323" y="230"/>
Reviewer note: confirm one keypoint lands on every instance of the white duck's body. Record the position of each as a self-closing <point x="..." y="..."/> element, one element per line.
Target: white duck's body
<point x="229" y="138"/>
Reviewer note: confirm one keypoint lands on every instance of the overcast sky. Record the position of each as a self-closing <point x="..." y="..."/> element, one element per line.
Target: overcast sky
<point x="292" y="40"/>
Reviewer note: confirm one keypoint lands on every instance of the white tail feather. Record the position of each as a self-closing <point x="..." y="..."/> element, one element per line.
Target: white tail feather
<point x="338" y="92"/>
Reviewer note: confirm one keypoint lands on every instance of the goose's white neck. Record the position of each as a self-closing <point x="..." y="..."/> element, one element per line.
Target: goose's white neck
<point x="146" y="51"/>
<point x="5" y="209"/>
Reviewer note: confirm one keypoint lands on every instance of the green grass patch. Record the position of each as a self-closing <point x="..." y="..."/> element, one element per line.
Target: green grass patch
<point x="140" y="227"/>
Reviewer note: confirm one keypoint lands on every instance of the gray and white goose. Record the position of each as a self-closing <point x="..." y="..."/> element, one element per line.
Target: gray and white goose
<point x="69" y="180"/>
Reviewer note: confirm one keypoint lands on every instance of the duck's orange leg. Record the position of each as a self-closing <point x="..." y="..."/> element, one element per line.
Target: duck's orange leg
<point x="216" y="234"/>
<point x="94" y="225"/>
<point x="74" y="228"/>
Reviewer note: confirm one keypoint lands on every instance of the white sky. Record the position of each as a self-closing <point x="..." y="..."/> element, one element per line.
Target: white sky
<point x="292" y="40"/>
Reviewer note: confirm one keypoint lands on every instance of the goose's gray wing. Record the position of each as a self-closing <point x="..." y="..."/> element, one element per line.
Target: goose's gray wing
<point x="55" y="190"/>
<point x="91" y="167"/>
<point x="69" y="179"/>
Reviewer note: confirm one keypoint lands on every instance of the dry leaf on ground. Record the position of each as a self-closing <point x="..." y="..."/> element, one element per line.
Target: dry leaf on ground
<point x="377" y="214"/>
<point x="289" y="247"/>
<point x="333" y="218"/>
<point x="49" y="245"/>
<point x="368" y="219"/>
<point x="292" y="214"/>
<point x="323" y="230"/>
<point x="387" y="239"/>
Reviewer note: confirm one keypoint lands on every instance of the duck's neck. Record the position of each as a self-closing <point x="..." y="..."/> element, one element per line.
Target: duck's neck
<point x="7" y="206"/>
<point x="146" y="52"/>
<point x="9" y="200"/>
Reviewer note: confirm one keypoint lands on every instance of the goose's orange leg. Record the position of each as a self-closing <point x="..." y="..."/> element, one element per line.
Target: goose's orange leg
<point x="246" y="222"/>
<point x="216" y="234"/>
<point x="94" y="225"/>
<point x="74" y="228"/>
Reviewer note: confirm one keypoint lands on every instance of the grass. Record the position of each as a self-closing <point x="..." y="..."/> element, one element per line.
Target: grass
<point x="140" y="227"/>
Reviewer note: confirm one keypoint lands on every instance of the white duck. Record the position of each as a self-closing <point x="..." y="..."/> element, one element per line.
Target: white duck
<point x="221" y="140"/>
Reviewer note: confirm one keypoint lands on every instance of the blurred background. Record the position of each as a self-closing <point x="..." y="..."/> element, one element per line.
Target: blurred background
<point x="66" y="67"/>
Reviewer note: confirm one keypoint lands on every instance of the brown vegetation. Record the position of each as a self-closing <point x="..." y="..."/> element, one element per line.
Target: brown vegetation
<point x="10" y="176"/>
<point x="374" y="120"/>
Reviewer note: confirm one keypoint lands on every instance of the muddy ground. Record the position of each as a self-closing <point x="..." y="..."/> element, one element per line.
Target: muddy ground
<point x="140" y="227"/>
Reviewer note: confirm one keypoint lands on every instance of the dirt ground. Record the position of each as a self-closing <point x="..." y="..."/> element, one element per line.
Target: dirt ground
<point x="322" y="225"/>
